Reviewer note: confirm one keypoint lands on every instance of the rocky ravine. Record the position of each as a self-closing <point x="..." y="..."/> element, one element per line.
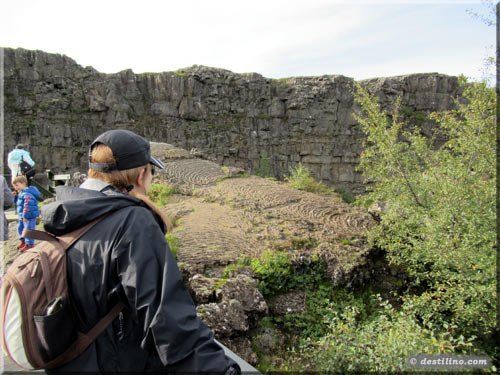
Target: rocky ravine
<point x="222" y="214"/>
<point x="239" y="120"/>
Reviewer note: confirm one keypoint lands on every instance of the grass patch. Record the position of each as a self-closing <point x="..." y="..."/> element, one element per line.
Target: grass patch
<point x="234" y="268"/>
<point x="159" y="193"/>
<point x="173" y="243"/>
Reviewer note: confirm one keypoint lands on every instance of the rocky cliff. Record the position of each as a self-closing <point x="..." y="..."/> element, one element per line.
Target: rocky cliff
<point x="241" y="120"/>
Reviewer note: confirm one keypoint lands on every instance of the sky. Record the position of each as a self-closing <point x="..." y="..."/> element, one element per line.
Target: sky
<point x="275" y="38"/>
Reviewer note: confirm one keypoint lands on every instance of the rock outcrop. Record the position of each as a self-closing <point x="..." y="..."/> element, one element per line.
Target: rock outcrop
<point x="240" y="120"/>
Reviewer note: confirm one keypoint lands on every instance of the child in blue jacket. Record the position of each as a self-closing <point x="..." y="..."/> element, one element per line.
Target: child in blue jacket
<point x="27" y="210"/>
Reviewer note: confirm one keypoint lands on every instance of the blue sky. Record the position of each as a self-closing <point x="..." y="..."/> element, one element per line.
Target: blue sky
<point x="275" y="38"/>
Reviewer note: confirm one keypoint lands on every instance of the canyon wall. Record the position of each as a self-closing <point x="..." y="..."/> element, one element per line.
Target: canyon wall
<point x="244" y="120"/>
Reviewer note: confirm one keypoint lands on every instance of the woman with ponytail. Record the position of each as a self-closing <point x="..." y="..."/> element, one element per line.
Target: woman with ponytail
<point x="125" y="258"/>
<point x="125" y="179"/>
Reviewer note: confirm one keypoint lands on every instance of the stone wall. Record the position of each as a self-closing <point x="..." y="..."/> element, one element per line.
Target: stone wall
<point x="242" y="120"/>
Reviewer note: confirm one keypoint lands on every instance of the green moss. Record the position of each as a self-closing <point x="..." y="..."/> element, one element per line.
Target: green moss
<point x="180" y="73"/>
<point x="79" y="110"/>
<point x="219" y="284"/>
<point x="304" y="243"/>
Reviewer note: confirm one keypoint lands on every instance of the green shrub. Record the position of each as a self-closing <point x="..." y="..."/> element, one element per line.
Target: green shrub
<point x="382" y="343"/>
<point x="274" y="271"/>
<point x="278" y="273"/>
<point x="346" y="195"/>
<point x="265" y="170"/>
<point x="439" y="227"/>
<point x="323" y="301"/>
<point x="356" y="331"/>
<point x="300" y="178"/>
<point x="159" y="193"/>
<point x="440" y="221"/>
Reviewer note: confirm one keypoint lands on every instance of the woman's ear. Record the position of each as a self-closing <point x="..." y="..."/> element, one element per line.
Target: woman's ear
<point x="140" y="180"/>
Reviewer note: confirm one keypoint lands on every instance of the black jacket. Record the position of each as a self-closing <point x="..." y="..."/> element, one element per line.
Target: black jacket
<point x="125" y="257"/>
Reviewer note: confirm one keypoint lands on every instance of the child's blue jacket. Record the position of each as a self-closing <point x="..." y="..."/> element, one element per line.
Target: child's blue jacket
<point x="27" y="203"/>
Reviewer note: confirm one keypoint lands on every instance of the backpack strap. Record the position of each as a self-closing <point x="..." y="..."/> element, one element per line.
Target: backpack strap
<point x="39" y="235"/>
<point x="65" y="240"/>
<point x="69" y="239"/>
<point x="84" y="340"/>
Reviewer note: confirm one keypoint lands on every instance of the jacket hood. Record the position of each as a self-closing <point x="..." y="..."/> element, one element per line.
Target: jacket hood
<point x="75" y="207"/>
<point x="33" y="191"/>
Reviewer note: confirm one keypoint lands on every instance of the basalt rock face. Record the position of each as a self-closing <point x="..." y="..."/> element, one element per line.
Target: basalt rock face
<point x="241" y="120"/>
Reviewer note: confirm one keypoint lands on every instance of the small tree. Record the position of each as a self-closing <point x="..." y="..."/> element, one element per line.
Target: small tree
<point x="440" y="222"/>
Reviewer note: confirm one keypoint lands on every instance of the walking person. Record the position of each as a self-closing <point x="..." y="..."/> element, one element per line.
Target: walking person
<point x="126" y="258"/>
<point x="16" y="157"/>
<point x="26" y="199"/>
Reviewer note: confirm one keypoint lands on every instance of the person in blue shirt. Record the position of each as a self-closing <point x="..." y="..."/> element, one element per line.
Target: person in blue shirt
<point x="27" y="209"/>
<point x="15" y="157"/>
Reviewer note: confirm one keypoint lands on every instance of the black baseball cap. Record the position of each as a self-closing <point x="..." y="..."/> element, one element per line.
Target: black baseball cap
<point x="129" y="150"/>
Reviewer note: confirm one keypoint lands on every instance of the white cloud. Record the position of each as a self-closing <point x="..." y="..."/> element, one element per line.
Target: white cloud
<point x="276" y="38"/>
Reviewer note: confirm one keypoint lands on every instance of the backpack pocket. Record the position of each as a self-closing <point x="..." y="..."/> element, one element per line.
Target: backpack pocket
<point x="57" y="329"/>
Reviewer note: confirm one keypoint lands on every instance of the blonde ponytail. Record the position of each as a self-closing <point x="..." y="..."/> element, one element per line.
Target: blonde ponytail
<point x="122" y="180"/>
<point x="148" y="202"/>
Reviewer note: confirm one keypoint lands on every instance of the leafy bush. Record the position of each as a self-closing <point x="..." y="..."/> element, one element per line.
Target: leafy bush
<point x="440" y="221"/>
<point x="300" y="178"/>
<point x="278" y="273"/>
<point x="159" y="193"/>
<point x="274" y="271"/>
<point x="381" y="342"/>
<point x="323" y="301"/>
